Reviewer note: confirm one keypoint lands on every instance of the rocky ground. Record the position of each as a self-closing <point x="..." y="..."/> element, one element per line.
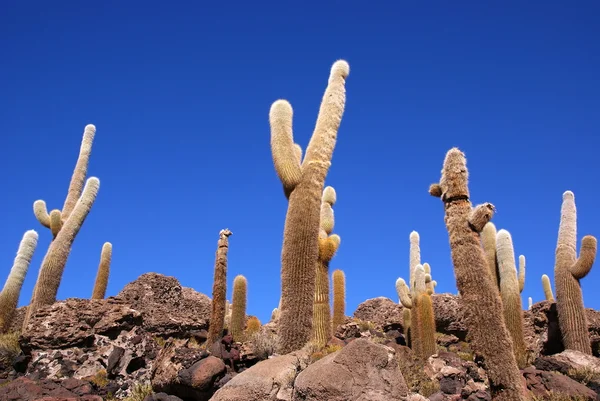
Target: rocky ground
<point x="149" y="343"/>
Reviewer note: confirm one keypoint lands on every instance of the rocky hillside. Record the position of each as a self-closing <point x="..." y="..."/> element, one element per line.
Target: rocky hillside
<point x="149" y="343"/>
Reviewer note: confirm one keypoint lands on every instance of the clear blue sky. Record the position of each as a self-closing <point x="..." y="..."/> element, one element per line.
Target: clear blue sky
<point x="180" y="96"/>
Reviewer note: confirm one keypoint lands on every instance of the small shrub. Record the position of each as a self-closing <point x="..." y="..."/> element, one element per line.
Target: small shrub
<point x="100" y="379"/>
<point x="364" y="325"/>
<point x="9" y="348"/>
<point x="253" y="325"/>
<point x="584" y="376"/>
<point x="552" y="396"/>
<point x="328" y="349"/>
<point x="138" y="393"/>
<point x="263" y="343"/>
<point x="160" y="341"/>
<point x="465" y="356"/>
<point x="415" y="377"/>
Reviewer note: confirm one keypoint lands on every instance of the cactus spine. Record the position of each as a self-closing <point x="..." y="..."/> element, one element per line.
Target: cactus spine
<point x="547" y="288"/>
<point x="568" y="270"/>
<point x="339" y="298"/>
<point x="56" y="219"/>
<point x="510" y="291"/>
<point x="303" y="182"/>
<point x="328" y="245"/>
<point x="219" y="292"/>
<point x="101" y="283"/>
<point x="481" y="301"/>
<point x="54" y="262"/>
<point x="238" y="307"/>
<point x="9" y="297"/>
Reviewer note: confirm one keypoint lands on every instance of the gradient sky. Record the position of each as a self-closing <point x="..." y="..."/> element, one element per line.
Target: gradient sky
<point x="180" y="96"/>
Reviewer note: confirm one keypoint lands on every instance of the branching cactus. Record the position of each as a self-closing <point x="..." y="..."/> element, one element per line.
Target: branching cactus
<point x="101" y="283"/>
<point x="9" y="297"/>
<point x="488" y="240"/>
<point x="56" y="218"/>
<point x="303" y="182"/>
<point x="431" y="283"/>
<point x="328" y="246"/>
<point x="219" y="293"/>
<point x="568" y="270"/>
<point x="510" y="290"/>
<point x="53" y="265"/>
<point x="238" y="307"/>
<point x="481" y="301"/>
<point x="339" y="298"/>
<point x="547" y="288"/>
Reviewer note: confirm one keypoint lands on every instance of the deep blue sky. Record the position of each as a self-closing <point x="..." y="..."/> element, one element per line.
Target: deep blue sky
<point x="180" y="96"/>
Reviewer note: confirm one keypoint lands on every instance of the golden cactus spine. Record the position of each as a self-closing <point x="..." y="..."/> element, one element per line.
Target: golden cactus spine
<point x="57" y="218"/>
<point x="547" y="286"/>
<point x="568" y="270"/>
<point x="303" y="182"/>
<point x="54" y="262"/>
<point x="219" y="292"/>
<point x="253" y="326"/>
<point x="238" y="307"/>
<point x="101" y="283"/>
<point x="510" y="291"/>
<point x="328" y="246"/>
<point x="9" y="297"/>
<point x="339" y="298"/>
<point x="481" y="300"/>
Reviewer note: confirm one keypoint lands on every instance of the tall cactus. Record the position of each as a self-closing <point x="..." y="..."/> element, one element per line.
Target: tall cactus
<point x="54" y="262"/>
<point x="481" y="301"/>
<point x="219" y="292"/>
<point x="238" y="307"/>
<point x="9" y="297"/>
<point x="328" y="246"/>
<point x="57" y="218"/>
<point x="568" y="270"/>
<point x="510" y="291"/>
<point x="547" y="288"/>
<point x="339" y="298"/>
<point x="101" y="283"/>
<point x="303" y="182"/>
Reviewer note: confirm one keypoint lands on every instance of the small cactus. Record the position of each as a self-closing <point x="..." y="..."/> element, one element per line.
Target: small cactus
<point x="99" y="291"/>
<point x="238" y="306"/>
<point x="219" y="292"/>
<point x="339" y="298"/>
<point x="253" y="326"/>
<point x="9" y="297"/>
<point x="328" y="246"/>
<point x="482" y="303"/>
<point x="568" y="270"/>
<point x="303" y="181"/>
<point x="547" y="286"/>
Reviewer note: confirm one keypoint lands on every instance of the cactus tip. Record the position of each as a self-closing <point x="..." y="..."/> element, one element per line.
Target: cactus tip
<point x="90" y="127"/>
<point x="568" y="195"/>
<point x="435" y="190"/>
<point x="414" y="236"/>
<point x="32" y="234"/>
<point x="340" y="67"/>
<point x="281" y="107"/>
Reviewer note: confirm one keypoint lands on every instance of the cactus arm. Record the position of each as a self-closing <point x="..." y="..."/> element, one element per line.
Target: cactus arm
<point x="403" y="293"/>
<point x="321" y="145"/>
<point x="488" y="240"/>
<point x="522" y="265"/>
<point x="587" y="255"/>
<point x="414" y="256"/>
<point x="327" y="218"/>
<point x="41" y="213"/>
<point x="56" y="222"/>
<point x="339" y="298"/>
<point x="480" y="216"/>
<point x="283" y="149"/>
<point x="80" y="171"/>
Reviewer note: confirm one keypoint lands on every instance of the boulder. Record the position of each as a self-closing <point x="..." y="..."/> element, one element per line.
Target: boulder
<point x="362" y="370"/>
<point x="546" y="384"/>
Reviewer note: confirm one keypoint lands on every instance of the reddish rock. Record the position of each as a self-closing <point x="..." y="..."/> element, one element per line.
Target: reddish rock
<point x="25" y="389"/>
<point x="543" y="384"/>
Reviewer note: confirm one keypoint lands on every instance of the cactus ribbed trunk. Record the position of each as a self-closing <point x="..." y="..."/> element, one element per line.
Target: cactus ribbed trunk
<point x="101" y="283"/>
<point x="339" y="298"/>
<point x="303" y="182"/>
<point x="321" y="311"/>
<point x="238" y="308"/>
<point x="9" y="297"/>
<point x="406" y="322"/>
<point x="427" y="329"/>
<point x="54" y="262"/>
<point x="568" y="270"/>
<point x="482" y="306"/>
<point x="219" y="292"/>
